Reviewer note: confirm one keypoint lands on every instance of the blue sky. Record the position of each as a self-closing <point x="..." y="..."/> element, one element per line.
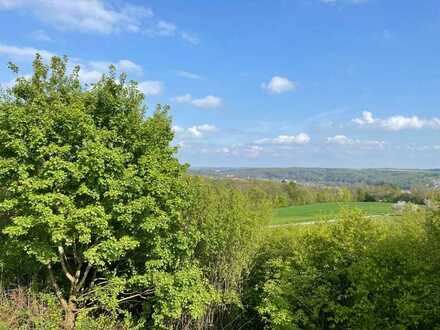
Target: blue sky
<point x="329" y="83"/>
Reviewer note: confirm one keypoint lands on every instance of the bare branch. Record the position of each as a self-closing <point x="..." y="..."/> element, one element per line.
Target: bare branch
<point x="138" y="295"/>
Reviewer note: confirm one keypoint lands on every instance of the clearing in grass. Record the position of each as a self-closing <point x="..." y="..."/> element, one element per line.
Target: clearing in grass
<point x="325" y="211"/>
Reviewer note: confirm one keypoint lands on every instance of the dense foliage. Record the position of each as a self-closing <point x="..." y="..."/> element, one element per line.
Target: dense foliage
<point x="356" y="274"/>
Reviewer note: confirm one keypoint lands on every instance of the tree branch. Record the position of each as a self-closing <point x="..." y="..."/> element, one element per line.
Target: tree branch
<point x="56" y="288"/>
<point x="137" y="295"/>
<point x="78" y="273"/>
<point x="69" y="276"/>
<point x="84" y="277"/>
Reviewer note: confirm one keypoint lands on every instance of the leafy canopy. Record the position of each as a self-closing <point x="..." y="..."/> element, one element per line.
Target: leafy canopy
<point x="90" y="184"/>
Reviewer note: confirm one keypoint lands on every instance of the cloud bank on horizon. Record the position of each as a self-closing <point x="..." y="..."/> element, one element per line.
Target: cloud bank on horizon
<point x="307" y="83"/>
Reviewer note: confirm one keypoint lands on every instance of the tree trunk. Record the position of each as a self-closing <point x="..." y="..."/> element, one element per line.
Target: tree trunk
<point x="69" y="317"/>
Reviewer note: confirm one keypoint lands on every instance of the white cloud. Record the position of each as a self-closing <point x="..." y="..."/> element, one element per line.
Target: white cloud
<point x="165" y="28"/>
<point x="188" y="37"/>
<point x="343" y="140"/>
<point x="7" y="84"/>
<point x="129" y="66"/>
<point x="224" y="150"/>
<point x="189" y="75"/>
<point x="366" y="118"/>
<point x="90" y="72"/>
<point x="301" y="138"/>
<point x="11" y="83"/>
<point x="124" y="65"/>
<point x="168" y="29"/>
<point x="23" y="53"/>
<point x="83" y="15"/>
<point x="196" y="131"/>
<point x="96" y="16"/>
<point x="339" y="139"/>
<point x="186" y="98"/>
<point x="162" y="29"/>
<point x="398" y="122"/>
<point x="207" y="102"/>
<point x="40" y="35"/>
<point x="89" y="76"/>
<point x="151" y="87"/>
<point x="278" y="85"/>
<point x="251" y="151"/>
<point x="178" y="129"/>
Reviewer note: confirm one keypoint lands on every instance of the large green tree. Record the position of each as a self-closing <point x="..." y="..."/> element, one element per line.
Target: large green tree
<point x="91" y="188"/>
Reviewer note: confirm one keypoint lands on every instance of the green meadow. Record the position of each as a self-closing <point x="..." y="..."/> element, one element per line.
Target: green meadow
<point x="325" y="211"/>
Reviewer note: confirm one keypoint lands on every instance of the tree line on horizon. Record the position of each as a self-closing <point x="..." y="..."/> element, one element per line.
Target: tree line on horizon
<point x="401" y="178"/>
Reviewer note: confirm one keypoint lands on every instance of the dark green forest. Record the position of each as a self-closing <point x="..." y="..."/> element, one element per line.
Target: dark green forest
<point x="101" y="227"/>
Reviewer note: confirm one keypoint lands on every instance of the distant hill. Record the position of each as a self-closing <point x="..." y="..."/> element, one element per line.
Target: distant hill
<point x="404" y="178"/>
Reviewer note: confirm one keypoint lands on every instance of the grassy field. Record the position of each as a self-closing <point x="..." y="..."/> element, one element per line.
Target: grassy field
<point x="321" y="211"/>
